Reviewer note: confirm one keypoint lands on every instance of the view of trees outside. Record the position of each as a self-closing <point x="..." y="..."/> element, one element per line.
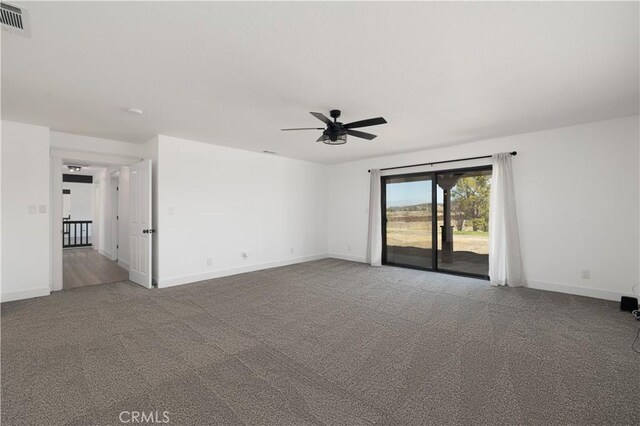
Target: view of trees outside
<point x="470" y="214"/>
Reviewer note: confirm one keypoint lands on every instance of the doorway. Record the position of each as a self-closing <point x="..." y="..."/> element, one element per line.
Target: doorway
<point x="90" y="228"/>
<point x="437" y="221"/>
<point x="121" y="221"/>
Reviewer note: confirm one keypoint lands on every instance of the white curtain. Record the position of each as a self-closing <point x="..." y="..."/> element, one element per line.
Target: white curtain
<point x="505" y="262"/>
<point x="374" y="243"/>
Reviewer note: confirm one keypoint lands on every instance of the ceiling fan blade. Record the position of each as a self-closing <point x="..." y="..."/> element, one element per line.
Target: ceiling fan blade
<point x="365" y="123"/>
<point x="320" y="139"/>
<point x="304" y="128"/>
<point x="322" y="117"/>
<point x="362" y="135"/>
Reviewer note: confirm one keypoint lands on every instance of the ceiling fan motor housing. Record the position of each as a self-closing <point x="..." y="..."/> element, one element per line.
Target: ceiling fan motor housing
<point x="336" y="134"/>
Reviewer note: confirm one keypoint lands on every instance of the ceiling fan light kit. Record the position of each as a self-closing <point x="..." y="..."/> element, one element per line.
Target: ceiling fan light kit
<point x="337" y="140"/>
<point x="336" y="132"/>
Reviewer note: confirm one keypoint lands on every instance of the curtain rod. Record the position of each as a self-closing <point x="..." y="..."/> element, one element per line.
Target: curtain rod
<point x="441" y="162"/>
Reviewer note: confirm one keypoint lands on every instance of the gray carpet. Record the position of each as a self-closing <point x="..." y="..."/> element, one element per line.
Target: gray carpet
<point x="325" y="342"/>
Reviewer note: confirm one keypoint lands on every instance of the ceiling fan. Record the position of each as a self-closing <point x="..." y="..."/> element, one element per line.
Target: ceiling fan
<point x="336" y="133"/>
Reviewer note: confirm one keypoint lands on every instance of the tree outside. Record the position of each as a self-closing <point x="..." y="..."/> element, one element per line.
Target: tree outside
<point x="470" y="203"/>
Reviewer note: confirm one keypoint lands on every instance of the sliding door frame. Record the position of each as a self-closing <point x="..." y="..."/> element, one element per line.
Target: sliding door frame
<point x="431" y="175"/>
<point x="383" y="199"/>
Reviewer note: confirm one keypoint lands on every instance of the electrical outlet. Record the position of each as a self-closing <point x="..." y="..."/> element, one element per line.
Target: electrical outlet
<point x="292" y="250"/>
<point x="209" y="261"/>
<point x="348" y="248"/>
<point x="244" y="254"/>
<point x="586" y="274"/>
<point x="171" y="211"/>
<point x="42" y="208"/>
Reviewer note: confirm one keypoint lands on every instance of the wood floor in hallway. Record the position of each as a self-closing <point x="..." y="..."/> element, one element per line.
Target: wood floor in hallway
<point x="84" y="267"/>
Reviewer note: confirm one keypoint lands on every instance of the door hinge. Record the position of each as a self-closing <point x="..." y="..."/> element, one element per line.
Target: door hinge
<point x="118" y="246"/>
<point x="117" y="217"/>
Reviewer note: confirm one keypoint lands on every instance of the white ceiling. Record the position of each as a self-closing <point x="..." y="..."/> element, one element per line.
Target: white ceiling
<point x="235" y="73"/>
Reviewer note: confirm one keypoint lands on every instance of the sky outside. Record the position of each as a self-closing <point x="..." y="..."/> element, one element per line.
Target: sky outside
<point x="410" y="193"/>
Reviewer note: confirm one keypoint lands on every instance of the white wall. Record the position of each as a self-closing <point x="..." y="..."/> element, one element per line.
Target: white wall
<point x="103" y="225"/>
<point x="81" y="200"/>
<point x="577" y="199"/>
<point x="25" y="231"/>
<point x="123" y="222"/>
<point x="100" y="200"/>
<point x="89" y="145"/>
<point x="216" y="202"/>
<point x="113" y="225"/>
<point x="95" y="238"/>
<point x="1" y="125"/>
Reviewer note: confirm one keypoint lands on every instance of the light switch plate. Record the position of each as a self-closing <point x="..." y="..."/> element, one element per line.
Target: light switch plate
<point x="33" y="209"/>
<point x="42" y="208"/>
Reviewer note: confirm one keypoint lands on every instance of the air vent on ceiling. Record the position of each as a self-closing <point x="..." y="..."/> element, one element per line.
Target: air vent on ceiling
<point x="15" y="19"/>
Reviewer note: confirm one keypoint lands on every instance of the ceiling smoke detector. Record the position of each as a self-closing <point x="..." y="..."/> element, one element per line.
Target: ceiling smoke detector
<point x="15" y="19"/>
<point x="136" y="111"/>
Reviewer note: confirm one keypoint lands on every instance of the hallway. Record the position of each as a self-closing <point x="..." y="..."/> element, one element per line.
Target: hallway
<point x="84" y="267"/>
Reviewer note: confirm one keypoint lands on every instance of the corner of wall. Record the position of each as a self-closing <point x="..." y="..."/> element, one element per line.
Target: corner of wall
<point x="151" y="151"/>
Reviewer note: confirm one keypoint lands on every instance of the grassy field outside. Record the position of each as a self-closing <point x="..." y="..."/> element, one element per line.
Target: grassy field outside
<point x="412" y="228"/>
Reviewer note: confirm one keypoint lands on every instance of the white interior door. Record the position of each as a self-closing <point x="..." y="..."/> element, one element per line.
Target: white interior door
<point x="140" y="226"/>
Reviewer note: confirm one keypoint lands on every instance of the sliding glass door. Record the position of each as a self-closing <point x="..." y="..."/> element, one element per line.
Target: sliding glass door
<point x="437" y="221"/>
<point x="463" y="223"/>
<point x="408" y="221"/>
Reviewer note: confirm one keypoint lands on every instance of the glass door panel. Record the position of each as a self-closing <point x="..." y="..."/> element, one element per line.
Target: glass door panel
<point x="463" y="221"/>
<point x="407" y="221"/>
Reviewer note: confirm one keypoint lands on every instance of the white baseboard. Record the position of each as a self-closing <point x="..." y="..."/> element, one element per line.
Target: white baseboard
<point x="170" y="282"/>
<point x="124" y="264"/>
<point x="348" y="257"/>
<point x="105" y="254"/>
<point x="559" y="288"/>
<point x="24" y="294"/>
<point x="578" y="291"/>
